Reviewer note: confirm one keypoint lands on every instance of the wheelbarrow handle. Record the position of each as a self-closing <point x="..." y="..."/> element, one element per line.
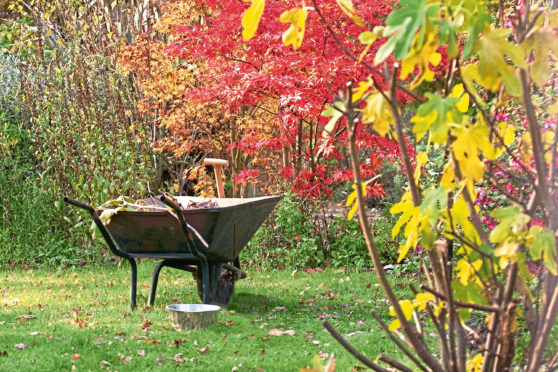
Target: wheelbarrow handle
<point x="79" y="204"/>
<point x="171" y="203"/>
<point x="217" y="165"/>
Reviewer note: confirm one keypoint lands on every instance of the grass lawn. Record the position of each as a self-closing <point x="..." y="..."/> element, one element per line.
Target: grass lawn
<point x="79" y="319"/>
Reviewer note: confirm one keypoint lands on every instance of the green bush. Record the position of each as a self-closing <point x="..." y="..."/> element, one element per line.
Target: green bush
<point x="32" y="227"/>
<point x="292" y="238"/>
<point x="78" y="130"/>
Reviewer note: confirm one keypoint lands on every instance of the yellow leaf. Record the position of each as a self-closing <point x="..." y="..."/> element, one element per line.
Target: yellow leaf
<point x="251" y="19"/>
<point x="422" y="299"/>
<point x="407" y="309"/>
<point x="294" y="34"/>
<point x="422" y="158"/>
<point x="358" y="92"/>
<point x="460" y="217"/>
<point x="467" y="270"/>
<point x="463" y="104"/>
<point x="378" y="111"/>
<point x="507" y="250"/>
<point x="448" y="176"/>
<point x="493" y="48"/>
<point x="352" y="212"/>
<point x="351" y="199"/>
<point x="394" y="325"/>
<point x="422" y="58"/>
<point x="423" y="123"/>
<point x="470" y="140"/>
<point x="475" y="363"/>
<point x="438" y="308"/>
<point x="406" y="207"/>
<point x="347" y="8"/>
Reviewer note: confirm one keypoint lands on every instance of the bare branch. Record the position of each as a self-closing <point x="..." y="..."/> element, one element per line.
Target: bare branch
<point x="395" y="364"/>
<point x="490" y="309"/>
<point x="398" y="342"/>
<point x="354" y="352"/>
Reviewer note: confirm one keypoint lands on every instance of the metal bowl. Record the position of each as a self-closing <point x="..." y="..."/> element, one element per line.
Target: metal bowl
<point x="193" y="316"/>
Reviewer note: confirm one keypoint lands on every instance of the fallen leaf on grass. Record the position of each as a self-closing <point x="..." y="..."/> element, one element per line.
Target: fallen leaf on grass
<point x="75" y="357"/>
<point x="99" y="339"/>
<point x="204" y="350"/>
<point x="20" y="346"/>
<point x="175" y="343"/>
<point x="351" y="334"/>
<point x="152" y="341"/>
<point x="146" y="325"/>
<point x="309" y="335"/>
<point x="125" y="360"/>
<point x="177" y="358"/>
<point x="315" y="342"/>
<point x="280" y="332"/>
<point x="230" y="322"/>
<point x="141" y="352"/>
<point x="105" y="363"/>
<point x="125" y="315"/>
<point x="159" y="361"/>
<point x="4" y="353"/>
<point x="262" y="351"/>
<point x="357" y="368"/>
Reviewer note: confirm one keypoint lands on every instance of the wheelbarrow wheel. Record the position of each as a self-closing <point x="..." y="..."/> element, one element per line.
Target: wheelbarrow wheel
<point x="223" y="290"/>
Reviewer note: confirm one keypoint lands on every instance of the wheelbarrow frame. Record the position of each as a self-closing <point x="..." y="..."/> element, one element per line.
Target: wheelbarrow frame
<point x="193" y="261"/>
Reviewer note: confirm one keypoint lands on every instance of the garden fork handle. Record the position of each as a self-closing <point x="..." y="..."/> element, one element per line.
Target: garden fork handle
<point x="217" y="165"/>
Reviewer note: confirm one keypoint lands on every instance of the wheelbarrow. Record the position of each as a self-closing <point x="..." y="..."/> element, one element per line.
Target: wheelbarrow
<point x="203" y="241"/>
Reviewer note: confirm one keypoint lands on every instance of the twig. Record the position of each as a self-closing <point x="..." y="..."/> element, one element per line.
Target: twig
<point x="395" y="364"/>
<point x="398" y="342"/>
<point x="553" y="360"/>
<point x="354" y="352"/>
<point x="349" y="54"/>
<point x="492" y="309"/>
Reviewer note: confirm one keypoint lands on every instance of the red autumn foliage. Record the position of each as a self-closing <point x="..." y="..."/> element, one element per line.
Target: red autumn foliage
<point x="282" y="90"/>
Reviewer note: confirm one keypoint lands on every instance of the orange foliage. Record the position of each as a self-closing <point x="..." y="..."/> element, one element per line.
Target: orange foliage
<point x="189" y="129"/>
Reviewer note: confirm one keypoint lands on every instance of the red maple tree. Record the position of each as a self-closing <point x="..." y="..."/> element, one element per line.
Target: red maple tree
<point x="291" y="88"/>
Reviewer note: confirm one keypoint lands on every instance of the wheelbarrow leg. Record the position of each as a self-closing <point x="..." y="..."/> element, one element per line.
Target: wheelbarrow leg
<point x="154" y="282"/>
<point x="205" y="280"/>
<point x="134" y="283"/>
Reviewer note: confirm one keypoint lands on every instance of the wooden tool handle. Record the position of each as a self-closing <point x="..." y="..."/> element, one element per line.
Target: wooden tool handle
<point x="217" y="165"/>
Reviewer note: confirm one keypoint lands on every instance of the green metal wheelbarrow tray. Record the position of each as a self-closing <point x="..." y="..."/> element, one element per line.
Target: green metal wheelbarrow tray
<point x="205" y="241"/>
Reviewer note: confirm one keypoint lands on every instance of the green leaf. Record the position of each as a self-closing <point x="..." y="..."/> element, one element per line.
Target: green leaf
<point x="492" y="50"/>
<point x="478" y="22"/>
<point x="448" y="35"/>
<point x="541" y="41"/>
<point x="367" y="37"/>
<point x="511" y="221"/>
<point x="435" y="115"/>
<point x="401" y="27"/>
<point x="434" y="199"/>
<point x="543" y="246"/>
